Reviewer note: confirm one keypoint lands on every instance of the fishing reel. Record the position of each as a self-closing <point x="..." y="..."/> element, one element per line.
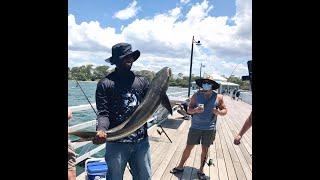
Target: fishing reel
<point x="162" y="131"/>
<point x="159" y="132"/>
<point x="210" y="162"/>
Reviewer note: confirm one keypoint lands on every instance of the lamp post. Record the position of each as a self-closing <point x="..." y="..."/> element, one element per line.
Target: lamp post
<point x="197" y="43"/>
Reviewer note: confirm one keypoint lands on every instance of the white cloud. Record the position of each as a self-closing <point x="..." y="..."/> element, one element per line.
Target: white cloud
<point x="90" y="36"/>
<point x="78" y="58"/>
<point x="184" y="1"/>
<point x="165" y="40"/>
<point x="198" y="12"/>
<point x="128" y="12"/>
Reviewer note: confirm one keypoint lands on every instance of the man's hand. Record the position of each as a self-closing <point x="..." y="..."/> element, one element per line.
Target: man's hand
<point x="216" y="111"/>
<point x="237" y="140"/>
<point x="100" y="137"/>
<point x="198" y="110"/>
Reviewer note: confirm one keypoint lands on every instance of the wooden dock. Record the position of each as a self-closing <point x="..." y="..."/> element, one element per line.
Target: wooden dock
<point x="231" y="161"/>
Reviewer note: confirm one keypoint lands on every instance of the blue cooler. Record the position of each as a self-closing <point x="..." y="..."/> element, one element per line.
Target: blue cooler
<point x="96" y="168"/>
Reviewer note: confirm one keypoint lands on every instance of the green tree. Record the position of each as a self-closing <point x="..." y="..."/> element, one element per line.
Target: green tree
<point x="89" y="72"/>
<point x="100" y="72"/>
<point x="243" y="84"/>
<point x="146" y="73"/>
<point x="77" y="74"/>
<point x="82" y="73"/>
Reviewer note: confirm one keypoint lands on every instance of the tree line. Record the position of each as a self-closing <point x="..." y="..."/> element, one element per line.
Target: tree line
<point x="90" y="73"/>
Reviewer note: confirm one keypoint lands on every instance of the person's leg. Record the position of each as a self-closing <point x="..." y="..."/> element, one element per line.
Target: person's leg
<point x="117" y="156"/>
<point x="193" y="139"/>
<point x="71" y="163"/>
<point x="72" y="175"/>
<point x="207" y="138"/>
<point x="204" y="156"/>
<point x="185" y="156"/>
<point x="140" y="162"/>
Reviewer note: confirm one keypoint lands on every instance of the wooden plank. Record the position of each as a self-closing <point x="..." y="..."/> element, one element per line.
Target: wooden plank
<point x="234" y="131"/>
<point x="168" y="154"/>
<point x="213" y="171"/>
<point x="243" y="163"/>
<point x="206" y="168"/>
<point x="240" y="114"/>
<point x="239" y="121"/>
<point x="234" y="126"/>
<point x="160" y="152"/>
<point x="223" y="175"/>
<point x="227" y="157"/>
<point x="229" y="139"/>
<point x="236" y="163"/>
<point x="175" y="158"/>
<point x="196" y="162"/>
<point x="163" y="148"/>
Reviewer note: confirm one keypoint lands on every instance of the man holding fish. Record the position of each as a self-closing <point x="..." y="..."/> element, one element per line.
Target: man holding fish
<point x="118" y="95"/>
<point x="125" y="104"/>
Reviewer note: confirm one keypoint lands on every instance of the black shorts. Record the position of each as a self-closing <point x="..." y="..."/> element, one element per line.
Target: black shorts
<point x="206" y="137"/>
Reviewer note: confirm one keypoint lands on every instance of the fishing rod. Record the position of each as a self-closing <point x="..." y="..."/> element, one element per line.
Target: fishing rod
<point x="232" y="73"/>
<point x="162" y="131"/>
<point x="78" y="85"/>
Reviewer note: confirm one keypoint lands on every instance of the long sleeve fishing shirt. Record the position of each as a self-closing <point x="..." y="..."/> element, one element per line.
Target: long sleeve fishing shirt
<point x="117" y="96"/>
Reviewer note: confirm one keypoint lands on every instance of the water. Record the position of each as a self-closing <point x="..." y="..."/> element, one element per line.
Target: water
<point x="76" y="97"/>
<point x="246" y="97"/>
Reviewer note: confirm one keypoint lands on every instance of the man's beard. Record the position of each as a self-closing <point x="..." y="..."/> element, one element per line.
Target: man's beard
<point x="125" y="67"/>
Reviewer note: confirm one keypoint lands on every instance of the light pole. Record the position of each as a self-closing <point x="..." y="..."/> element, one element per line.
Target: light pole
<point x="197" y="43"/>
<point x="201" y="66"/>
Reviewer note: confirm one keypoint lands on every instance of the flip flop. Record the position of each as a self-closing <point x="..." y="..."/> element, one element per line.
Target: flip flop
<point x="176" y="170"/>
<point x="201" y="175"/>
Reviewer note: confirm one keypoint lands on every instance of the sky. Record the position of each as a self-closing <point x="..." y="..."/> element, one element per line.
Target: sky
<point x="162" y="31"/>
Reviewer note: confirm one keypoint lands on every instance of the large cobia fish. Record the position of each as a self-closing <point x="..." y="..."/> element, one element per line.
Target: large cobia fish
<point x="155" y="96"/>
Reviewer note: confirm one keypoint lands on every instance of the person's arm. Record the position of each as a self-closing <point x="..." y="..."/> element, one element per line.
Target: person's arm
<point x="103" y="114"/>
<point x="192" y="108"/>
<point x="243" y="130"/>
<point x="221" y="108"/>
<point x="102" y="107"/>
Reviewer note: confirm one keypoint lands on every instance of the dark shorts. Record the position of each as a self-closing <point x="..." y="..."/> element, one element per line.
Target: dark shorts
<point x="206" y="137"/>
